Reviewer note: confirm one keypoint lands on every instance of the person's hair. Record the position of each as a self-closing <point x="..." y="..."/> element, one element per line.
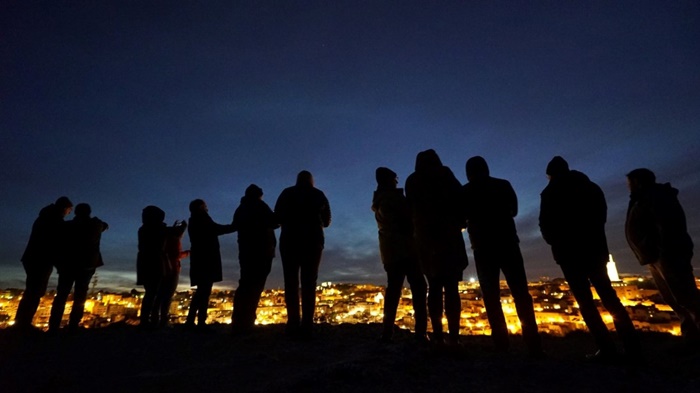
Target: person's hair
<point x="477" y="168"/>
<point x="642" y="176"/>
<point x="63" y="202"/>
<point x="82" y="210"/>
<point x="253" y="191"/>
<point x="196" y="205"/>
<point x="557" y="166"/>
<point x="152" y="215"/>
<point x="305" y="178"/>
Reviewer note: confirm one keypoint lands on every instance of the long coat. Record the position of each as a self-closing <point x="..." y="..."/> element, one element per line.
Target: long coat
<point x="205" y="256"/>
<point x="572" y="219"/>
<point x="656" y="228"/>
<point x="433" y="196"/>
<point x="256" y="224"/>
<point x="46" y="245"/>
<point x="395" y="228"/>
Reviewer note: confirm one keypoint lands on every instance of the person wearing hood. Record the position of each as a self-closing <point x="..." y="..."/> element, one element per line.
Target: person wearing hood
<point x="45" y="248"/>
<point x="205" y="260"/>
<point x="256" y="224"/>
<point x="572" y="220"/>
<point x="302" y="211"/>
<point x="657" y="233"/>
<point x="432" y="192"/>
<point x="490" y="205"/>
<point x="151" y="261"/>
<point x="398" y="253"/>
<point x="83" y="234"/>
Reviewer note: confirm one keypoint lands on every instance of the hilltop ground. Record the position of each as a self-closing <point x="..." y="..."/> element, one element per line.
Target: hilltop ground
<point x="344" y="358"/>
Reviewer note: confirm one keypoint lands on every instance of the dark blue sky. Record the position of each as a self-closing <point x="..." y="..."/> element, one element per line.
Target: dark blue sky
<point x="123" y="104"/>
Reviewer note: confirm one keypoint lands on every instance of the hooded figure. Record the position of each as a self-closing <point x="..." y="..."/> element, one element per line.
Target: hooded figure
<point x="398" y="252"/>
<point x="151" y="261"/>
<point x="490" y="205"/>
<point x="302" y="211"/>
<point x="256" y="224"/>
<point x="46" y="247"/>
<point x="657" y="233"/>
<point x="572" y="220"/>
<point x="433" y="194"/>
<point x="205" y="259"/>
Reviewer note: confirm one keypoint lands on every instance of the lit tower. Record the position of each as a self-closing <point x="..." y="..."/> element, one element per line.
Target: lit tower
<point x="612" y="270"/>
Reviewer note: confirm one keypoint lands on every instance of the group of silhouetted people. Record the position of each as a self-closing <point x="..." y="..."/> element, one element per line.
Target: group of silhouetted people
<point x="420" y="238"/>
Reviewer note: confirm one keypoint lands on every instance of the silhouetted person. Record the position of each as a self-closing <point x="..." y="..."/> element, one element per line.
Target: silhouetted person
<point x="45" y="248"/>
<point x="166" y="290"/>
<point x="433" y="195"/>
<point x="398" y="252"/>
<point x="83" y="234"/>
<point x="658" y="235"/>
<point x="151" y="262"/>
<point x="303" y="211"/>
<point x="490" y="204"/>
<point x="573" y="213"/>
<point x="205" y="259"/>
<point x="256" y="224"/>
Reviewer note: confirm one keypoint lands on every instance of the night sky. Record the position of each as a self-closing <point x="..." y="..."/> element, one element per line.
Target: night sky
<point x="122" y="104"/>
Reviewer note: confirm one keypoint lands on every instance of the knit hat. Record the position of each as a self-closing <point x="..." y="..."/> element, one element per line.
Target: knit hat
<point x="253" y="191"/>
<point x="557" y="166"/>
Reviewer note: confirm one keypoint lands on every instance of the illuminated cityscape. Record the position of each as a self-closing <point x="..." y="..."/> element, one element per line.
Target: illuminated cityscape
<point x="555" y="308"/>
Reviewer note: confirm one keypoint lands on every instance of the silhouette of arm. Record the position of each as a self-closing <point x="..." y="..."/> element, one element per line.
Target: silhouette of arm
<point x="325" y="212"/>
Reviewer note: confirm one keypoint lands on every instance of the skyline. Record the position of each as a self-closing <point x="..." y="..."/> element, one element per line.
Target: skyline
<point x="122" y="105"/>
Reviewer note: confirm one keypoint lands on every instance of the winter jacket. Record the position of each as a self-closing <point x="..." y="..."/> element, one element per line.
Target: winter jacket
<point x="433" y="193"/>
<point x="173" y="248"/>
<point x="302" y="211"/>
<point x="47" y="243"/>
<point x="396" y="244"/>
<point x="256" y="224"/>
<point x="151" y="261"/>
<point x="84" y="235"/>
<point x="572" y="219"/>
<point x="656" y="228"/>
<point x="205" y="256"/>
<point x="489" y="207"/>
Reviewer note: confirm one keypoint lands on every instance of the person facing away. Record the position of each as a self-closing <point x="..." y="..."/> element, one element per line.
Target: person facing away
<point x="45" y="248"/>
<point x="657" y="233"/>
<point x="433" y="193"/>
<point x="151" y="261"/>
<point x="572" y="220"/>
<point x="256" y="224"/>
<point x="397" y="250"/>
<point x="83" y="235"/>
<point x="302" y="211"/>
<point x="490" y="205"/>
<point x="205" y="259"/>
<point x="160" y="316"/>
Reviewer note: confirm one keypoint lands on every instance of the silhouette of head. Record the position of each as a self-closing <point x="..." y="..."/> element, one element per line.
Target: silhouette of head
<point x="253" y="192"/>
<point x="152" y="215"/>
<point x="477" y="168"/>
<point x="83" y="210"/>
<point x="640" y="179"/>
<point x="386" y="178"/>
<point x="64" y="204"/>
<point x="557" y="167"/>
<point x="198" y="206"/>
<point x="305" y="178"/>
<point x="427" y="160"/>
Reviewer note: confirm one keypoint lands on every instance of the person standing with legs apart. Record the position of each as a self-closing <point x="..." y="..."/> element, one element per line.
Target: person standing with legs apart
<point x="490" y="204"/>
<point x="83" y="234"/>
<point x="572" y="219"/>
<point x="45" y="248"/>
<point x="657" y="232"/>
<point x="398" y="252"/>
<point x="302" y="211"/>
<point x="256" y="224"/>
<point x="205" y="260"/>
<point x="433" y="194"/>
